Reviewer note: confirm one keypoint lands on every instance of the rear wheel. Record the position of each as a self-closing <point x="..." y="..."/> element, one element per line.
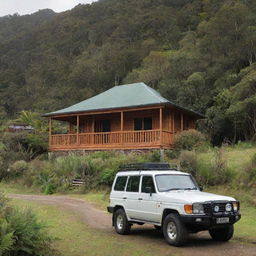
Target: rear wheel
<point x="175" y="233"/>
<point x="222" y="234"/>
<point x="122" y="226"/>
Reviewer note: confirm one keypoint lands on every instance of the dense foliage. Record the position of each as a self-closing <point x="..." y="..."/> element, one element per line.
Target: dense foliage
<point x="56" y="175"/>
<point x="21" y="233"/>
<point x="198" y="53"/>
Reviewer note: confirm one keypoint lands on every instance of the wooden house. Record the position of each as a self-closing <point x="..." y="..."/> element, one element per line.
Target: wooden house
<point x="132" y="116"/>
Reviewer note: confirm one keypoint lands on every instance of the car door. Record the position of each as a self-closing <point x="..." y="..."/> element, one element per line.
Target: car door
<point x="148" y="205"/>
<point x="131" y="196"/>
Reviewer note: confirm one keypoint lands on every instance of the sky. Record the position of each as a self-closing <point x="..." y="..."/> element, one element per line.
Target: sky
<point x="29" y="6"/>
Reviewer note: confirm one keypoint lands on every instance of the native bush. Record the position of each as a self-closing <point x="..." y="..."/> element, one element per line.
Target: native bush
<point x="188" y="162"/>
<point x="22" y="233"/>
<point x="18" y="168"/>
<point x="249" y="176"/>
<point x="208" y="172"/>
<point x="190" y="140"/>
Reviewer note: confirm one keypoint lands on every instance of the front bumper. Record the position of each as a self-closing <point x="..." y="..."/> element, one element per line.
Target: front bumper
<point x="206" y="221"/>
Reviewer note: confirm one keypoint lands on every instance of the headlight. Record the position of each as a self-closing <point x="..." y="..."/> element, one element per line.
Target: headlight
<point x="216" y="208"/>
<point x="236" y="206"/>
<point x="198" y="209"/>
<point x="228" y="207"/>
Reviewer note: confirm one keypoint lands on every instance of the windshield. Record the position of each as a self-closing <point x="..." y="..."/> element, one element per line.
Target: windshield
<point x="168" y="182"/>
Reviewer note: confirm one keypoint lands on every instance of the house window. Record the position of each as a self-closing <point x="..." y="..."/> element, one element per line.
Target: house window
<point x="102" y="126"/>
<point x="143" y="123"/>
<point x="148" y="123"/>
<point x="138" y="124"/>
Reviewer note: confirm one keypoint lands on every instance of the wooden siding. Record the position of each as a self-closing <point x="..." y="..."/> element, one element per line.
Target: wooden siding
<point x="122" y="134"/>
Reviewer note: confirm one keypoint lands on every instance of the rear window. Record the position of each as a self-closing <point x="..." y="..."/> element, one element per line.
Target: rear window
<point x="133" y="184"/>
<point x="120" y="183"/>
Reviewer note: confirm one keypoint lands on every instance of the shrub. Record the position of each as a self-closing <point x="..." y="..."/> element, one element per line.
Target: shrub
<point x="188" y="162"/>
<point x="207" y="172"/>
<point x="190" y="140"/>
<point x="107" y="177"/>
<point x="216" y="171"/>
<point x="50" y="189"/>
<point x="18" y="168"/>
<point x="22" y="233"/>
<point x="250" y="173"/>
<point x="155" y="156"/>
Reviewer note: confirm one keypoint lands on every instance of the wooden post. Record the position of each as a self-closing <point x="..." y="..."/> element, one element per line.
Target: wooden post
<point x="173" y="123"/>
<point x="181" y="122"/>
<point x="93" y="129"/>
<point x="70" y="128"/>
<point x="50" y="131"/>
<point x="161" y="124"/>
<point x="122" y="126"/>
<point x="77" y="129"/>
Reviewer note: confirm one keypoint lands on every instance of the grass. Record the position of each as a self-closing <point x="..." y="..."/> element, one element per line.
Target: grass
<point x="75" y="238"/>
<point x="16" y="188"/>
<point x="236" y="156"/>
<point x="245" y="229"/>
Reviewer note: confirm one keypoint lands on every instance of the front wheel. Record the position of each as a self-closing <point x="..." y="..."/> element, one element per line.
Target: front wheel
<point x="122" y="226"/>
<point x="175" y="233"/>
<point x="222" y="234"/>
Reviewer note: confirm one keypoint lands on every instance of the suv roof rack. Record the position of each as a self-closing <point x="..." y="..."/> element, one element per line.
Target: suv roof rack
<point x="145" y="166"/>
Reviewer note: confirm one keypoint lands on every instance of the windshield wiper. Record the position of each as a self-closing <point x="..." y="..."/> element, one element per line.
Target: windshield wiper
<point x="172" y="189"/>
<point x="179" y="189"/>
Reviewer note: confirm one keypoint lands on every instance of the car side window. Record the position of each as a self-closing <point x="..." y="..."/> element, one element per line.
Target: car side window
<point x="133" y="184"/>
<point x="147" y="181"/>
<point x="120" y="183"/>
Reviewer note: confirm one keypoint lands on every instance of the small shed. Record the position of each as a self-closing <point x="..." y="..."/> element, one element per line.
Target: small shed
<point x="18" y="127"/>
<point x="132" y="116"/>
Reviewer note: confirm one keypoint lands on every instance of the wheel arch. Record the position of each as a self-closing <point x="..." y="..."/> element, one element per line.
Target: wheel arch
<point x="166" y="212"/>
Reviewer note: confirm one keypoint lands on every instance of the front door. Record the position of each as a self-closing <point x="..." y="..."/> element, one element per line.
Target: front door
<point x="102" y="128"/>
<point x="148" y="205"/>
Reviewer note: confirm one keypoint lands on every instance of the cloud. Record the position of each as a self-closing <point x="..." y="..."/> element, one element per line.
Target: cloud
<point x="30" y="6"/>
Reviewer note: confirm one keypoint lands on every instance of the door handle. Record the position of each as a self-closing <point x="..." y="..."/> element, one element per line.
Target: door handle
<point x="140" y="198"/>
<point x="124" y="197"/>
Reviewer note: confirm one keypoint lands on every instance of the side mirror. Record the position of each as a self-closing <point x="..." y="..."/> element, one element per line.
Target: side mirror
<point x="149" y="190"/>
<point x="201" y="188"/>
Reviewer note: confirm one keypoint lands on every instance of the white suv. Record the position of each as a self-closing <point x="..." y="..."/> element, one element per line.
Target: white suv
<point x="171" y="200"/>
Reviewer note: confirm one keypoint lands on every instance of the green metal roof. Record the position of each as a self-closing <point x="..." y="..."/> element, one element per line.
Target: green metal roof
<point x="122" y="96"/>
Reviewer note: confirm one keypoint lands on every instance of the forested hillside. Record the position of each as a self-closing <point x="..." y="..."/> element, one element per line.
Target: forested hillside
<point x="198" y="53"/>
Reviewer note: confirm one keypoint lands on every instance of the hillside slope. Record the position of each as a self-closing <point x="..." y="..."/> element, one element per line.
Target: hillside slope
<point x="198" y="53"/>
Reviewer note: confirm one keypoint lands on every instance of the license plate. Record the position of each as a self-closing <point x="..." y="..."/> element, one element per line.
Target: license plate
<point x="222" y="220"/>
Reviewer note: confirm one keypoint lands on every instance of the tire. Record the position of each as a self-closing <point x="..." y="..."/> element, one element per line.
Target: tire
<point x="122" y="226"/>
<point x="175" y="232"/>
<point x="222" y="234"/>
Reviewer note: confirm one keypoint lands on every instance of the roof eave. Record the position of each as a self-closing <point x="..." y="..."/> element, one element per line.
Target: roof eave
<point x="103" y="109"/>
<point x="128" y="107"/>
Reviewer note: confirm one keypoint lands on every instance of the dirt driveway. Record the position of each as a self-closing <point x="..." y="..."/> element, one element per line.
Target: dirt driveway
<point x="200" y="244"/>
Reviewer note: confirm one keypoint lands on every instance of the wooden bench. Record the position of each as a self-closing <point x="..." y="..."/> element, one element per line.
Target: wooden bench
<point x="78" y="182"/>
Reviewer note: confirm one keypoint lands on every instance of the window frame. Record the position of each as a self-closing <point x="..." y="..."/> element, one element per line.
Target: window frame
<point x="148" y="175"/>
<point x="124" y="185"/>
<point x="142" y="121"/>
<point x="139" y="189"/>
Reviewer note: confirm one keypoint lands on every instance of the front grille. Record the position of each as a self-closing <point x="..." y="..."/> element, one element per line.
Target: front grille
<point x="222" y="207"/>
<point x="209" y="207"/>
